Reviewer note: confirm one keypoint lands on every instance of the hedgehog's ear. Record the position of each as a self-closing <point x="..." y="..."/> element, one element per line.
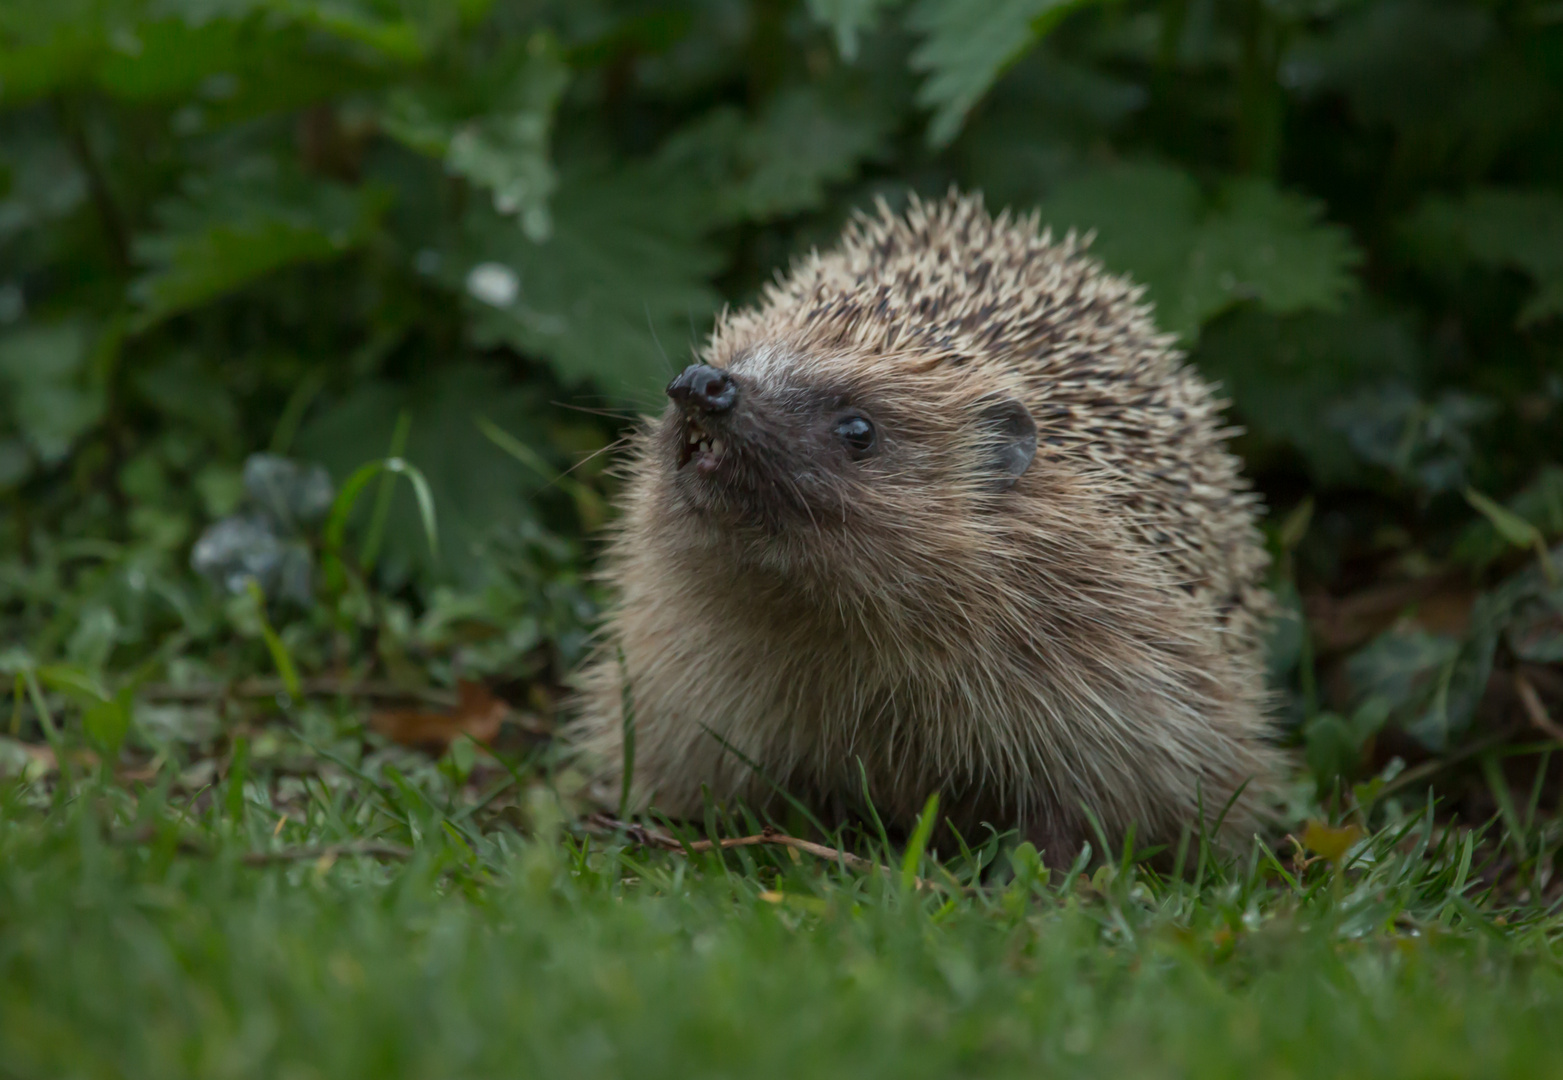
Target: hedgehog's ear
<point x="1010" y="439"/>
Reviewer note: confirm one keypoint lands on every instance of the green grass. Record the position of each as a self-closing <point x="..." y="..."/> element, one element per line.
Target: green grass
<point x="138" y="939"/>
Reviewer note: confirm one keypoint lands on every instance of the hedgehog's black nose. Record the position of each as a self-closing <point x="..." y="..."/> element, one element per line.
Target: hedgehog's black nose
<point x="705" y="388"/>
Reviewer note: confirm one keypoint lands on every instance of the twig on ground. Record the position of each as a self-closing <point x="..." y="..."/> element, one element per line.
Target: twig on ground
<point x="649" y="837"/>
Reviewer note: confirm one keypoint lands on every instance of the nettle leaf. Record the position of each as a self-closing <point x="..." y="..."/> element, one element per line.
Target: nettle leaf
<point x="45" y="45"/>
<point x="218" y="51"/>
<point x="227" y="230"/>
<point x="50" y="393"/>
<point x="224" y="69"/>
<point x="966" y="46"/>
<point x="1509" y="228"/>
<point x="615" y="294"/>
<point x="805" y="139"/>
<point x="847" y="19"/>
<point x="477" y="487"/>
<point x="1199" y="255"/>
<point x="495" y="136"/>
<point x="1262" y="243"/>
<point x="1285" y="372"/>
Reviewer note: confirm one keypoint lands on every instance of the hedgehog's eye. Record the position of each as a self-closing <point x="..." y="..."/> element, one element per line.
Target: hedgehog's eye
<point x="857" y="433"/>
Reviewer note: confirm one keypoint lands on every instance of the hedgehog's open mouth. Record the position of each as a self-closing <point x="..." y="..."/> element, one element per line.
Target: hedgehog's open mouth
<point x="701" y="447"/>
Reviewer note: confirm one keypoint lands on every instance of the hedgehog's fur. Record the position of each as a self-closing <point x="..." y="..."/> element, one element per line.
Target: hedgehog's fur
<point x="1087" y="639"/>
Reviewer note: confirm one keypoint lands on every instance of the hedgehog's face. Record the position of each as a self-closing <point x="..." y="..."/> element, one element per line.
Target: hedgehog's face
<point x="783" y="455"/>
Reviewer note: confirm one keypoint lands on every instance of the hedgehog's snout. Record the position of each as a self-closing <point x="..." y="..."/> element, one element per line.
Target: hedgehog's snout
<point x="704" y="388"/>
<point x="704" y="393"/>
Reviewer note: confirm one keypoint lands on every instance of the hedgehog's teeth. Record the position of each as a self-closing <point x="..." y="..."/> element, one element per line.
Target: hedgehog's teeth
<point x="716" y="447"/>
<point x="705" y="447"/>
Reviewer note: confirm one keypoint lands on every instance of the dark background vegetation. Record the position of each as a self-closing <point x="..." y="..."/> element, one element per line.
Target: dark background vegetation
<point x="444" y="249"/>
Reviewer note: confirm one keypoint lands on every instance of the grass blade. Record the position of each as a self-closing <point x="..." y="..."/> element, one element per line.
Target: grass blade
<point x="911" y="862"/>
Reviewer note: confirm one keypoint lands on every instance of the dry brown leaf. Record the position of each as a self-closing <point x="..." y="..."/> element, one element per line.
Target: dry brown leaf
<point x="478" y="713"/>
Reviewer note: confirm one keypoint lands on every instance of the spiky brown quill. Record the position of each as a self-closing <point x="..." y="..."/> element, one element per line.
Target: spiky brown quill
<point x="945" y="504"/>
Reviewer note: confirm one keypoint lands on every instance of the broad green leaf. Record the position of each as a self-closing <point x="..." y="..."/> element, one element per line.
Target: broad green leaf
<point x="967" y="44"/>
<point x="228" y="230"/>
<point x="169" y="57"/>
<point x="617" y="294"/>
<point x="1498" y="227"/>
<point x="108" y="722"/>
<point x="806" y="139"/>
<point x="502" y="149"/>
<point x="49" y="391"/>
<point x="1200" y="255"/>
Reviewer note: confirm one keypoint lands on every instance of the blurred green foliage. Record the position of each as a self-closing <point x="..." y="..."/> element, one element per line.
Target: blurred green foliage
<point x="477" y="235"/>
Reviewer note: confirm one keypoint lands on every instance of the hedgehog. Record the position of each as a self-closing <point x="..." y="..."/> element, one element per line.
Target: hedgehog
<point x="943" y="512"/>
